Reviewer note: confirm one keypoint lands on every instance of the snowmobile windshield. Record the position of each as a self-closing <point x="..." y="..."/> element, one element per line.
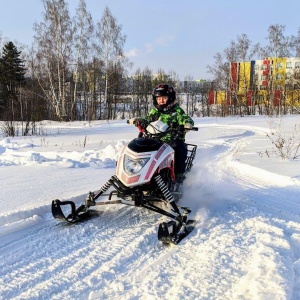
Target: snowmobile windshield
<point x="140" y="145"/>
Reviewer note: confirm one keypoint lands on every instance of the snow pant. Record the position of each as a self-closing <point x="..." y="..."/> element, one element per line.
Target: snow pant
<point x="180" y="149"/>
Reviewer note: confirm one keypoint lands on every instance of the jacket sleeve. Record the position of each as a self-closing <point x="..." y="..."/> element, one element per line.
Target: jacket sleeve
<point x="183" y="118"/>
<point x="150" y="117"/>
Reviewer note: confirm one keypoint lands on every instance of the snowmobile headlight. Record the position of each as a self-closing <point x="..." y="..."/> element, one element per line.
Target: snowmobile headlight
<point x="133" y="166"/>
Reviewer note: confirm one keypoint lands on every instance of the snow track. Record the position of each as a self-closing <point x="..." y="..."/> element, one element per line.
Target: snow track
<point x="245" y="245"/>
<point x="69" y="252"/>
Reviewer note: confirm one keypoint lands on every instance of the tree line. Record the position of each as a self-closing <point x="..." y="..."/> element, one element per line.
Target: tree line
<point x="76" y="69"/>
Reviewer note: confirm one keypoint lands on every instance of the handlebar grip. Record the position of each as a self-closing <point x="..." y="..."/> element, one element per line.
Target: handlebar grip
<point x="190" y="129"/>
<point x="134" y="122"/>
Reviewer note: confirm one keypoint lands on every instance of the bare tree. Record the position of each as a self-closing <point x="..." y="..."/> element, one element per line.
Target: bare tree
<point x="54" y="41"/>
<point x="173" y="79"/>
<point x="295" y="44"/>
<point x="110" y="48"/>
<point x="219" y="70"/>
<point x="141" y="91"/>
<point x="83" y="28"/>
<point x="188" y="90"/>
<point x="279" y="46"/>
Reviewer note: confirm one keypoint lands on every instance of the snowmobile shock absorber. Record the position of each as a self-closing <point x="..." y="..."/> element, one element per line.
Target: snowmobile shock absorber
<point x="167" y="194"/>
<point x="105" y="187"/>
<point x="90" y="199"/>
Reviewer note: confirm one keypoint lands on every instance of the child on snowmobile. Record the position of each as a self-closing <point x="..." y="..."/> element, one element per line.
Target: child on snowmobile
<point x="168" y="111"/>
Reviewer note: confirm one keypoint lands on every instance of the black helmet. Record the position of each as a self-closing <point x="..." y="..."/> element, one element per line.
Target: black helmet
<point x="163" y="90"/>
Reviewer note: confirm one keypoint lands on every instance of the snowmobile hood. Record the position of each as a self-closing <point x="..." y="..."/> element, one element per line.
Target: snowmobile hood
<point x="140" y="145"/>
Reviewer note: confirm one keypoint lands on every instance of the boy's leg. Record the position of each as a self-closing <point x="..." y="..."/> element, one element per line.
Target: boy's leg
<point x="180" y="149"/>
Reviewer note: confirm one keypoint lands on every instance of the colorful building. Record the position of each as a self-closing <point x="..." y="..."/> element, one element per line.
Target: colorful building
<point x="269" y="81"/>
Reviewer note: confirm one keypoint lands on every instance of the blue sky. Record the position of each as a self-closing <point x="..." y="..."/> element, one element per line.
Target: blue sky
<point x="177" y="35"/>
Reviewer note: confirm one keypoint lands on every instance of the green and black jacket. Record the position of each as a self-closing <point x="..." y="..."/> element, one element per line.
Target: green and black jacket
<point x="174" y="117"/>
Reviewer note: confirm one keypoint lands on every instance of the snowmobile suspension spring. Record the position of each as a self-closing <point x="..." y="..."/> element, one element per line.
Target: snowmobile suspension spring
<point x="102" y="190"/>
<point x="163" y="188"/>
<point x="105" y="187"/>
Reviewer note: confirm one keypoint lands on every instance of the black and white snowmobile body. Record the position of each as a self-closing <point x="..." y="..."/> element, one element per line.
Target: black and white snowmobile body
<point x="144" y="178"/>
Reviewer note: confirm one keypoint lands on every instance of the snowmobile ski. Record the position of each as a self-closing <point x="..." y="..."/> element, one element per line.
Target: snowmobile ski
<point x="74" y="216"/>
<point x="172" y="233"/>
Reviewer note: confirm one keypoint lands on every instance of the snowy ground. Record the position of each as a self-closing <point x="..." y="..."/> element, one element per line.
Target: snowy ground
<point x="246" y="244"/>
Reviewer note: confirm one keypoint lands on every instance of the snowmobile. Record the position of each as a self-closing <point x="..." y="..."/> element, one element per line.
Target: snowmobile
<point x="144" y="178"/>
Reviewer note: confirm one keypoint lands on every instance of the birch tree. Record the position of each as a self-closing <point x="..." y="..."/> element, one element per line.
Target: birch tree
<point x="110" y="43"/>
<point x="84" y="29"/>
<point x="278" y="46"/>
<point x="54" y="41"/>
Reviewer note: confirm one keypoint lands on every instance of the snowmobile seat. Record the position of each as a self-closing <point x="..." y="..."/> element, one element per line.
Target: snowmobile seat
<point x="140" y="145"/>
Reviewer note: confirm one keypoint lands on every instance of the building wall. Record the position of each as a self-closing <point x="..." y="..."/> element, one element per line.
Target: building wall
<point x="262" y="81"/>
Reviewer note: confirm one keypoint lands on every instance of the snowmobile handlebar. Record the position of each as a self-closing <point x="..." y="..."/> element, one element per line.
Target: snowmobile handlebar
<point x="175" y="131"/>
<point x="137" y="123"/>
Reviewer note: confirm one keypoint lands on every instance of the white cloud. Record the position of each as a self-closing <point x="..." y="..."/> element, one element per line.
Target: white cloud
<point x="132" y="52"/>
<point x="164" y="40"/>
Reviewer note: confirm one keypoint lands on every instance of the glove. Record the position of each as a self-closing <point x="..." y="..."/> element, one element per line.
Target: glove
<point x="133" y="121"/>
<point x="188" y="126"/>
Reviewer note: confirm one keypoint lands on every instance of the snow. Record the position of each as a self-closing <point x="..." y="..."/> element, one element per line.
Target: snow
<point x="246" y="244"/>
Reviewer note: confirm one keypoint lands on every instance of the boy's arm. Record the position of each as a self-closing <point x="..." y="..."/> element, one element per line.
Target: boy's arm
<point x="184" y="119"/>
<point x="150" y="117"/>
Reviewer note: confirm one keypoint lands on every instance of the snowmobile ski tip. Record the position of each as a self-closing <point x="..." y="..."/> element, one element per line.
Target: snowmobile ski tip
<point x="74" y="216"/>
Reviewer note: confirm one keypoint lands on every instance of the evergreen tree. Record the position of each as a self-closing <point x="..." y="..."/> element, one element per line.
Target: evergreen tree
<point x="12" y="69"/>
<point x="12" y="77"/>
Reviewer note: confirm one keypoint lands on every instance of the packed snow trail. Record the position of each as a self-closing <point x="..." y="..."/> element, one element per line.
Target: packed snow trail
<point x="245" y="245"/>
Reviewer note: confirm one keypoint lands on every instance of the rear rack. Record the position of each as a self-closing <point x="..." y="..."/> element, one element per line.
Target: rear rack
<point x="191" y="155"/>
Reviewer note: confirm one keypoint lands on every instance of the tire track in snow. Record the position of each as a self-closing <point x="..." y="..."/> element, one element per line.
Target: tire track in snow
<point x="97" y="244"/>
<point x="271" y="203"/>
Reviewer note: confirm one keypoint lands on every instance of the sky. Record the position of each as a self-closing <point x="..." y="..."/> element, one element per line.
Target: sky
<point x="175" y="35"/>
<point x="245" y="245"/>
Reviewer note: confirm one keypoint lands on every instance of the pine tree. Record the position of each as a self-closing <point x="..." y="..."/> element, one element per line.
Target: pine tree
<point x="12" y="69"/>
<point x="12" y="77"/>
